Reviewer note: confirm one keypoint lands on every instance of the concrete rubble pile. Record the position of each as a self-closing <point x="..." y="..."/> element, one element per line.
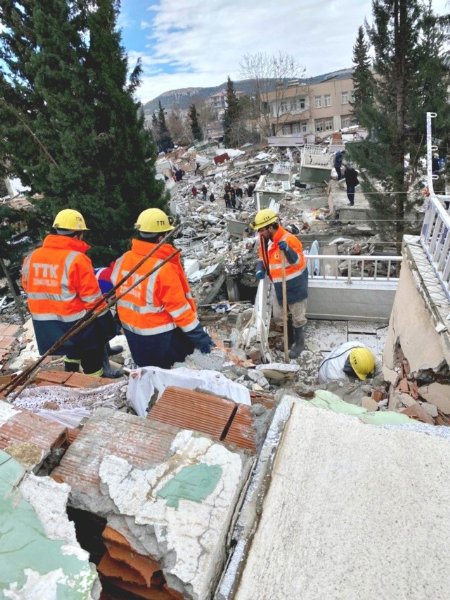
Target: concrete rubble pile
<point x="315" y="501"/>
<point x="152" y="497"/>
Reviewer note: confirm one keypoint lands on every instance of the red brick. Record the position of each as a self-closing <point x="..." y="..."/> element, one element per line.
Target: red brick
<point x="139" y="441"/>
<point x="267" y="400"/>
<point x="418" y="413"/>
<point x="152" y="593"/>
<point x="6" y="341"/>
<point x="143" y="565"/>
<point x="118" y="570"/>
<point x="114" y="537"/>
<point x="11" y="330"/>
<point x="72" y="434"/>
<point x="58" y="377"/>
<point x="28" y="427"/>
<point x="188" y="409"/>
<point x="242" y="431"/>
<point x="80" y="380"/>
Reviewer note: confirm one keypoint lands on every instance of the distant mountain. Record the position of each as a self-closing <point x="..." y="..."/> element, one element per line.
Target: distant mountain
<point x="183" y="98"/>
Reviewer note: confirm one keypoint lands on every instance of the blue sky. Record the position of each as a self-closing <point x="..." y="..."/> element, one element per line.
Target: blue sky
<point x="198" y="43"/>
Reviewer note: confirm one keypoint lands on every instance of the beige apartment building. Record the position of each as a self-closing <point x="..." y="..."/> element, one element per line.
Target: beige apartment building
<point x="317" y="108"/>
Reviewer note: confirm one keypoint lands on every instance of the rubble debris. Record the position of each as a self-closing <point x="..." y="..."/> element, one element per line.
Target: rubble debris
<point x="68" y="405"/>
<point x="145" y="382"/>
<point x="28" y="437"/>
<point x="41" y="557"/>
<point x="191" y="531"/>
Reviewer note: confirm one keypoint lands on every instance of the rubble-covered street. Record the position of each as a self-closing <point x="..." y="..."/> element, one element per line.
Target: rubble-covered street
<point x="172" y="483"/>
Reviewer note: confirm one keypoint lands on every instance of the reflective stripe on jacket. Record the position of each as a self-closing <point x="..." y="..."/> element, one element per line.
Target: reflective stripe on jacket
<point x="162" y="301"/>
<point x="273" y="259"/>
<point x="59" y="280"/>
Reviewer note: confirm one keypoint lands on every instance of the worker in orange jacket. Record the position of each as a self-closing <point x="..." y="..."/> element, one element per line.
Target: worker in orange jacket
<point x="61" y="287"/>
<point x="281" y="251"/>
<point x="159" y="316"/>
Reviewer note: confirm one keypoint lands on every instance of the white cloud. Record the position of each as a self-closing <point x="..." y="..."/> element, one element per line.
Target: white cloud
<point x="205" y="41"/>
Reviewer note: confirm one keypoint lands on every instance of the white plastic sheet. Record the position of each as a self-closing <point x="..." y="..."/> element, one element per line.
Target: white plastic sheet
<point x="143" y="383"/>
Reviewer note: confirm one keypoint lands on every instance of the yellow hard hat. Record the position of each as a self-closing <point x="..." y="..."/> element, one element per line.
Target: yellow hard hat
<point x="264" y="217"/>
<point x="70" y="219"/>
<point x="362" y="361"/>
<point x="153" y="220"/>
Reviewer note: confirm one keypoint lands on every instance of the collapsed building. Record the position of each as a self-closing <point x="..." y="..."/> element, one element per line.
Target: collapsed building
<point x="236" y="475"/>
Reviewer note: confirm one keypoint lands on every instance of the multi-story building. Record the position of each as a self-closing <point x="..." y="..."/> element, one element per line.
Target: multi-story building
<point x="318" y="108"/>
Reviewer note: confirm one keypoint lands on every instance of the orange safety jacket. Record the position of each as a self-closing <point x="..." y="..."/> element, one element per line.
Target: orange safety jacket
<point x="161" y="302"/>
<point x="59" y="280"/>
<point x="272" y="257"/>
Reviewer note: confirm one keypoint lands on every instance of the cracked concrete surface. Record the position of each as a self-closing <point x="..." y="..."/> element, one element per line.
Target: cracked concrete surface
<point x="341" y="518"/>
<point x="190" y="540"/>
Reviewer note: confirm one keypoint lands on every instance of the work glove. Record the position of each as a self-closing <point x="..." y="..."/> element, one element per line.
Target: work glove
<point x="283" y="246"/>
<point x="260" y="274"/>
<point x="207" y="347"/>
<point x="200" y="339"/>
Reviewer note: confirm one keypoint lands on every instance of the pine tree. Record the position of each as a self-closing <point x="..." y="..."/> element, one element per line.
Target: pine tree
<point x="231" y="117"/>
<point x="165" y="142"/>
<point x="72" y="130"/>
<point x="195" y="126"/>
<point x="396" y="118"/>
<point x="363" y="82"/>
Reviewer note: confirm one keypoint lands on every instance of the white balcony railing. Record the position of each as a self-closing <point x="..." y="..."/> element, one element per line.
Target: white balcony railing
<point x="352" y="269"/>
<point x="435" y="234"/>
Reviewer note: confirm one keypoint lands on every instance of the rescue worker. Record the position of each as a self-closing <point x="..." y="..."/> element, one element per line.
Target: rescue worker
<point x="278" y="250"/>
<point x="61" y="287"/>
<point x="159" y="316"/>
<point x="349" y="360"/>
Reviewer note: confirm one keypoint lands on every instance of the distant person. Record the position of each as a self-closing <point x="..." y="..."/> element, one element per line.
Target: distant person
<point x="194" y="191"/>
<point x="226" y="197"/>
<point x="350" y="360"/>
<point x="233" y="198"/>
<point x="351" y="181"/>
<point x="338" y="157"/>
<point x="204" y="192"/>
<point x="251" y="187"/>
<point x="211" y="197"/>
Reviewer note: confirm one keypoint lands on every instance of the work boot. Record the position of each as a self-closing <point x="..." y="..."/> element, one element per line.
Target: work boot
<point x="299" y="343"/>
<point x="112" y="350"/>
<point x="71" y="366"/>
<point x="108" y="370"/>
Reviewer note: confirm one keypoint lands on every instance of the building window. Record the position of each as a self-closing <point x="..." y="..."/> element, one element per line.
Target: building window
<point x="318" y="101"/>
<point x="304" y="126"/>
<point x="302" y="102"/>
<point x="344" y="98"/>
<point x="287" y="130"/>
<point x="323" y="125"/>
<point x="327" y="99"/>
<point x="284" y="107"/>
<point x="293" y="105"/>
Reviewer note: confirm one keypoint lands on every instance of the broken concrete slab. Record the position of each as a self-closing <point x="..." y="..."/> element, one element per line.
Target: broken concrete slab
<point x="185" y="505"/>
<point x="279" y="371"/>
<point x="437" y="394"/>
<point x="366" y="528"/>
<point x="41" y="557"/>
